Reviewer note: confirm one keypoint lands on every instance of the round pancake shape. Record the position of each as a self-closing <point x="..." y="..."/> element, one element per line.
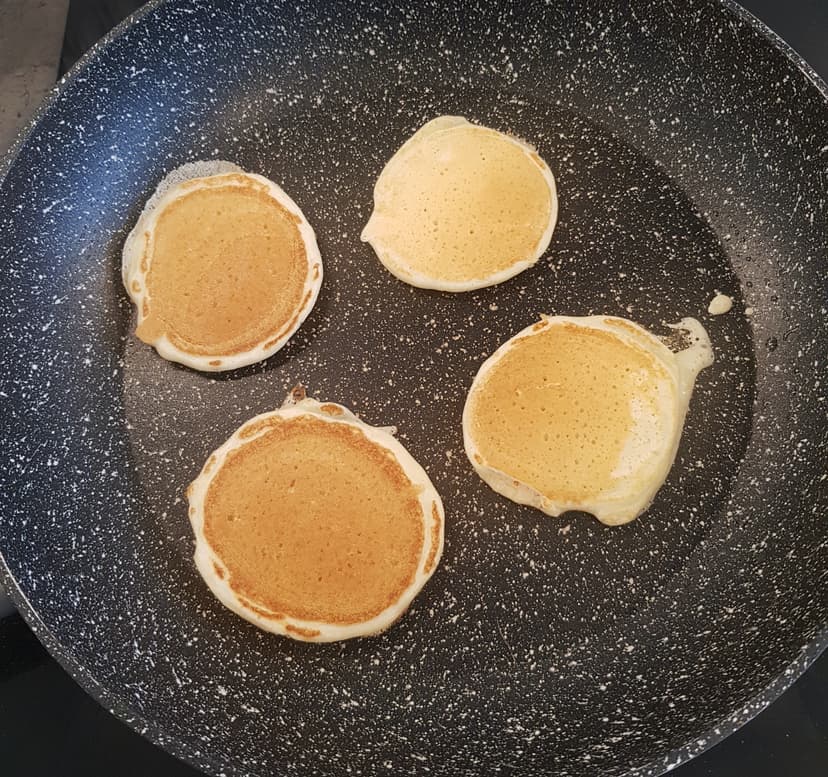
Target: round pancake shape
<point x="461" y="207"/>
<point x="222" y="267"/>
<point x="312" y="524"/>
<point x="582" y="413"/>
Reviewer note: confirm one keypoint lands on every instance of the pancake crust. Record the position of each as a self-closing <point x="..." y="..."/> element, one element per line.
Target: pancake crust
<point x="223" y="269"/>
<point x="312" y="524"/>
<point x="581" y="414"/>
<point x="461" y="206"/>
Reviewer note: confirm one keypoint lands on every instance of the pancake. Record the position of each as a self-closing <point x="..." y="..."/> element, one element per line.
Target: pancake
<point x="720" y="304"/>
<point x="222" y="266"/>
<point x="461" y="207"/>
<point x="314" y="525"/>
<point x="582" y="414"/>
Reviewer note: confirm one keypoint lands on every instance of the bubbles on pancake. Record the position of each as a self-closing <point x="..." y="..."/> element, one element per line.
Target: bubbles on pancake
<point x="312" y="524"/>
<point x="179" y="175"/>
<point x="695" y="354"/>
<point x="582" y="414"/>
<point x="461" y="206"/>
<point x="222" y="266"/>
<point x="187" y="172"/>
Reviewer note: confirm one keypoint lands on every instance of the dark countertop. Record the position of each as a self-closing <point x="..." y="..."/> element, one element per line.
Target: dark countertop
<point x="49" y="726"/>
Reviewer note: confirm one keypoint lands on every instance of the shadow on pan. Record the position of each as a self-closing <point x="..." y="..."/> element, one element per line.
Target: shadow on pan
<point x="689" y="150"/>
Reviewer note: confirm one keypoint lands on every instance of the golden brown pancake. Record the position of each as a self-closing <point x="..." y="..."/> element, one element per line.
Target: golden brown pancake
<point x="223" y="269"/>
<point x="312" y="524"/>
<point x="461" y="206"/>
<point x="582" y="414"/>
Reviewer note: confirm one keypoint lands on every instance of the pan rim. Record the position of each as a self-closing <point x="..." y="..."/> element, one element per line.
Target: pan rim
<point x="658" y="764"/>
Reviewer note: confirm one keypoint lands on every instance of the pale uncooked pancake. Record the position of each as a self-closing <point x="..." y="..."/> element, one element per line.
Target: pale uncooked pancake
<point x="461" y="207"/>
<point x="222" y="266"/>
<point x="582" y="414"/>
<point x="315" y="525"/>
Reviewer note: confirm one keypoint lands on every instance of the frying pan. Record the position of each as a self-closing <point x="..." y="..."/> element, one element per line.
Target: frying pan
<point x="690" y="148"/>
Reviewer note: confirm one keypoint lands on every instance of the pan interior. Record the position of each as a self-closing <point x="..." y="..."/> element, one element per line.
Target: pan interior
<point x="516" y="589"/>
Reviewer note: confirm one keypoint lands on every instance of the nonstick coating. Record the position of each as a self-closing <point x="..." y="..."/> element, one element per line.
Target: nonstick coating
<point x="690" y="149"/>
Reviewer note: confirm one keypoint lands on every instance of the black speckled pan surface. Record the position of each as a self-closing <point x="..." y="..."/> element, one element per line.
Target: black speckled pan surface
<point x="691" y="152"/>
